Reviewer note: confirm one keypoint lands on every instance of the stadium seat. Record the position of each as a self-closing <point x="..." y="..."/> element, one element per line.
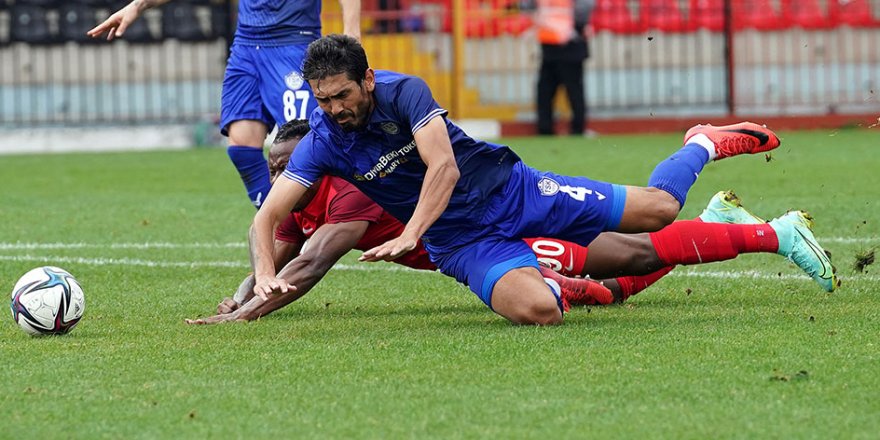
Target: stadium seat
<point x="139" y="32"/>
<point x="614" y="16"/>
<point x="188" y="22"/>
<point x="30" y="24"/>
<point x="806" y="14"/>
<point x="661" y="15"/>
<point x="706" y="14"/>
<point x="4" y="29"/>
<point x="757" y="14"/>
<point x="74" y="20"/>
<point x="98" y="3"/>
<point x="855" y="13"/>
<point x="40" y="3"/>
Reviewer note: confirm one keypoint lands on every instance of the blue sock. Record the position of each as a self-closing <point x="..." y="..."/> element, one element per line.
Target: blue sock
<point x="254" y="171"/>
<point x="678" y="173"/>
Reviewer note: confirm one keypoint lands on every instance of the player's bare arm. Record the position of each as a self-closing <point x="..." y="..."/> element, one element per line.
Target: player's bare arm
<point x="329" y="243"/>
<point x="116" y="24"/>
<point x="351" y="18"/>
<point x="284" y="252"/>
<point x="282" y="198"/>
<point x="435" y="149"/>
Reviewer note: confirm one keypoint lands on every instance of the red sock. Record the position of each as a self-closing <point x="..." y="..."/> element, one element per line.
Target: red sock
<point x="630" y="286"/>
<point x="695" y="242"/>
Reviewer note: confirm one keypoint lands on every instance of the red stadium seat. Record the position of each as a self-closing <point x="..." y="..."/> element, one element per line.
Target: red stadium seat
<point x="757" y="14"/>
<point x="806" y="14"/>
<point x="614" y="16"/>
<point x="515" y="24"/>
<point x="856" y="13"/>
<point x="661" y="15"/>
<point x="706" y="14"/>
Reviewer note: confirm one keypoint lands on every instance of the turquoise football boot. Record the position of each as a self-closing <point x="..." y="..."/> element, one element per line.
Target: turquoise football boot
<point x="726" y="207"/>
<point x="797" y="243"/>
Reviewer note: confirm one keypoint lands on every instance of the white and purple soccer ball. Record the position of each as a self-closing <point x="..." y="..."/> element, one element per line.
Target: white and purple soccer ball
<point x="47" y="301"/>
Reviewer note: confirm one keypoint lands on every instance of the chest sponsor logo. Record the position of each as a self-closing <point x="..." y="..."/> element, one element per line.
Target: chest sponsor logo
<point x="387" y="163"/>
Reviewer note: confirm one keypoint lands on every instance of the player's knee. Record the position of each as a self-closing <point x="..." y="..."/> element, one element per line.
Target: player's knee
<point x="640" y="256"/>
<point x="664" y="211"/>
<point x="542" y="312"/>
<point x="247" y="133"/>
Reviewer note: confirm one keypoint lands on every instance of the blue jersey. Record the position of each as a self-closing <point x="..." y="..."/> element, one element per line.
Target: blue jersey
<point x="382" y="161"/>
<point x="278" y="22"/>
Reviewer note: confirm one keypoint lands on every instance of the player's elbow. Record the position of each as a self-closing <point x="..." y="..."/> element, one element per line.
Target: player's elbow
<point x="451" y="172"/>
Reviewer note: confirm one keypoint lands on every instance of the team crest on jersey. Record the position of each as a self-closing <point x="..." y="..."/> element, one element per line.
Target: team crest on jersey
<point x="294" y="80"/>
<point x="548" y="186"/>
<point x="390" y="127"/>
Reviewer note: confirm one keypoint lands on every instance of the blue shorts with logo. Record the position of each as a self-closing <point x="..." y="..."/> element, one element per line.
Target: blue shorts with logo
<point x="265" y="83"/>
<point x="532" y="204"/>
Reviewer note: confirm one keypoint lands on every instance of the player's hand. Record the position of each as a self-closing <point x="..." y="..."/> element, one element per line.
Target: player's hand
<point x="117" y="23"/>
<point x="389" y="250"/>
<point x="228" y="305"/>
<point x="267" y="285"/>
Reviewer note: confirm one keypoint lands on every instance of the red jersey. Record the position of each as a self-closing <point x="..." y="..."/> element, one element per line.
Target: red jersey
<point x="337" y="201"/>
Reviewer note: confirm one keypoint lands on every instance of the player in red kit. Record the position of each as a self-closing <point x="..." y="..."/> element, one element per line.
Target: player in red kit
<point x="335" y="218"/>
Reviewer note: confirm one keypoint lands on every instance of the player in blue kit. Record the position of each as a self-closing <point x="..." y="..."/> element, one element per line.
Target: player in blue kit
<point x="263" y="85"/>
<point x="470" y="201"/>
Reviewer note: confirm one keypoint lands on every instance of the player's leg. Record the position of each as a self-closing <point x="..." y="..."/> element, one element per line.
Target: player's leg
<point x="573" y="80"/>
<point x="504" y="274"/>
<point x="244" y="119"/>
<point x="548" y="82"/>
<point x="523" y="296"/>
<point x="649" y="209"/>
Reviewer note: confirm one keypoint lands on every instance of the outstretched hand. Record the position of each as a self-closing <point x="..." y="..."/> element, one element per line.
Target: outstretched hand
<point x="228" y="305"/>
<point x="266" y="286"/>
<point x="245" y="312"/>
<point x="390" y="250"/>
<point x="116" y="24"/>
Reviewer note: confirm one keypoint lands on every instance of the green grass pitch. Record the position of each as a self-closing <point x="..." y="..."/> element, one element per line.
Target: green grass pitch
<point x="746" y="349"/>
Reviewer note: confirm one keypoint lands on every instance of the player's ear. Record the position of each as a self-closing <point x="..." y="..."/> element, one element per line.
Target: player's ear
<point x="370" y="80"/>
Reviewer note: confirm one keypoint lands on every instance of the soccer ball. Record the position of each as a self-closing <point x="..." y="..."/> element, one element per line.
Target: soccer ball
<point x="47" y="301"/>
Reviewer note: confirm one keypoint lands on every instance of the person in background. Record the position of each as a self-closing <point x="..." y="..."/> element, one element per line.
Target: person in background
<point x="263" y="85"/>
<point x="561" y="32"/>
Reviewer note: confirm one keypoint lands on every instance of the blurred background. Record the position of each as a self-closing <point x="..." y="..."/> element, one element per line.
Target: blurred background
<point x="655" y="65"/>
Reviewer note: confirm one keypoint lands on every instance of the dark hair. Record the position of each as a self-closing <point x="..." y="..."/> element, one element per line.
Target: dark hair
<point x="335" y="54"/>
<point x="296" y="128"/>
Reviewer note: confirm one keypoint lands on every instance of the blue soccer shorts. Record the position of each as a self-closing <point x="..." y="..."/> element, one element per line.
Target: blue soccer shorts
<point x="532" y="204"/>
<point x="265" y="83"/>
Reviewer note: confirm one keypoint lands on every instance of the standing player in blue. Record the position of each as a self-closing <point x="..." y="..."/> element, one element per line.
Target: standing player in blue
<point x="471" y="202"/>
<point x="263" y="85"/>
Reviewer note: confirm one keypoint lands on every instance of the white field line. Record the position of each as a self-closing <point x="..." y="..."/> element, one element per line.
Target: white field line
<point x="146" y="245"/>
<point x="239" y="245"/>
<point x="383" y="267"/>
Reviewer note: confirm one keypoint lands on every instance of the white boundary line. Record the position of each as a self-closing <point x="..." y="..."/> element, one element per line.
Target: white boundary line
<point x="146" y="245"/>
<point x="386" y="267"/>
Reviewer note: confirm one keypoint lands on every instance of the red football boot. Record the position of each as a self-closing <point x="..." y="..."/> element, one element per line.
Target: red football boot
<point x="579" y="291"/>
<point x="742" y="138"/>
